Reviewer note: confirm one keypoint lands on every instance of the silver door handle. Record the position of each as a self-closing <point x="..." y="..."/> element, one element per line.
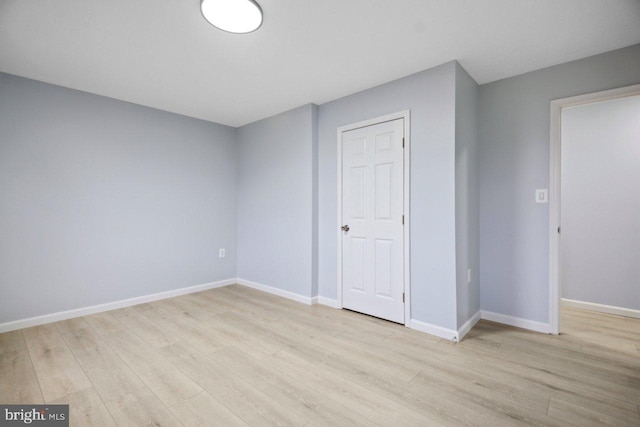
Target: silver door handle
<point x="345" y="228"/>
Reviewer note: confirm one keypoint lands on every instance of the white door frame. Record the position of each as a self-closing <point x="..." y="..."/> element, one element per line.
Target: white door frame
<point x="406" y="203"/>
<point x="555" y="185"/>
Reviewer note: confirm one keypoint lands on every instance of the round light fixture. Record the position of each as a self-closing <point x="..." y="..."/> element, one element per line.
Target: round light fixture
<point x="233" y="16"/>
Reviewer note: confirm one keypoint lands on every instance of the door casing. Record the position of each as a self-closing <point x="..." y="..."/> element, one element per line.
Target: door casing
<point x="406" y="116"/>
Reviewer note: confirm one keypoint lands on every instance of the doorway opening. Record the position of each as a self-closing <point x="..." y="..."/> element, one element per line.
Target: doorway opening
<point x="594" y="197"/>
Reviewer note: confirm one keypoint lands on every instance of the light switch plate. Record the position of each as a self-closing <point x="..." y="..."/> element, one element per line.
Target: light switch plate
<point x="542" y="195"/>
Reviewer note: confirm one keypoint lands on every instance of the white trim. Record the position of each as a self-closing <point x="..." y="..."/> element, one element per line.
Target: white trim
<point x="518" y="322"/>
<point x="438" y="331"/>
<point x="554" y="220"/>
<point x="555" y="185"/>
<point x="329" y="302"/>
<point x="407" y="216"/>
<point x="464" y="329"/>
<point x="406" y="116"/>
<point x="85" y="311"/>
<point x="601" y="308"/>
<point x="339" y="180"/>
<point x="277" y="291"/>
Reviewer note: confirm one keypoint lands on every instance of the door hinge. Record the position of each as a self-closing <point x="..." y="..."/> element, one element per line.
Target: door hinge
<point x="403" y="297"/>
<point x="558" y="230"/>
<point x="402" y="219"/>
<point x="402" y="142"/>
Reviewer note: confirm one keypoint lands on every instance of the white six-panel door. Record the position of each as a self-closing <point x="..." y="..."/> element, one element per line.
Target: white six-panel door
<point x="372" y="220"/>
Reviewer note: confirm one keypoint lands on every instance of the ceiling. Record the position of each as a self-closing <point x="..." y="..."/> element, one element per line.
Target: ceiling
<point x="163" y="54"/>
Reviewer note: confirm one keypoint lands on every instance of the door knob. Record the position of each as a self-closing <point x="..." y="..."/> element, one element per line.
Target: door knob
<point x="345" y="228"/>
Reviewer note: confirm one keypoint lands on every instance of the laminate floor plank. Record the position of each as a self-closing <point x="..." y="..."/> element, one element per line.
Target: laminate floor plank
<point x="18" y="380"/>
<point x="533" y="371"/>
<point x="188" y="332"/>
<point x="402" y="368"/>
<point x="430" y="401"/>
<point x="250" y="306"/>
<point x="198" y="302"/>
<point x="186" y="307"/>
<point x="141" y="408"/>
<point x="160" y="376"/>
<point x="57" y="370"/>
<point x="360" y="399"/>
<point x="109" y="374"/>
<point x="485" y="384"/>
<point x="150" y="332"/>
<point x="247" y="308"/>
<point x="253" y="406"/>
<point x="488" y="397"/>
<point x="73" y="325"/>
<point x="238" y="356"/>
<point x="202" y="410"/>
<point x="573" y="409"/>
<point x="253" y="338"/>
<point x="86" y="409"/>
<point x="104" y="323"/>
<point x="581" y="376"/>
<point x="12" y="340"/>
<point x="305" y="401"/>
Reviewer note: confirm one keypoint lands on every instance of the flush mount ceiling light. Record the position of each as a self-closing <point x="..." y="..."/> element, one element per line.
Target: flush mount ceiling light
<point x="233" y="16"/>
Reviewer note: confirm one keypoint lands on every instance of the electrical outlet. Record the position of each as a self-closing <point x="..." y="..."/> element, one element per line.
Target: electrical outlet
<point x="221" y="253"/>
<point x="468" y="276"/>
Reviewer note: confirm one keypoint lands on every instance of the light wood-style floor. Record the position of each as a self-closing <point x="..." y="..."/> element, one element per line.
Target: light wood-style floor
<point x="236" y="356"/>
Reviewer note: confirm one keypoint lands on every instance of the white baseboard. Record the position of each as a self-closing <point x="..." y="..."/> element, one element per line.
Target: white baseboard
<point x="276" y="291"/>
<point x="84" y="311"/>
<point x="516" y="321"/>
<point x="329" y="302"/>
<point x="287" y="294"/>
<point x="602" y="308"/>
<point x="464" y="329"/>
<point x="438" y="331"/>
<point x="448" y="334"/>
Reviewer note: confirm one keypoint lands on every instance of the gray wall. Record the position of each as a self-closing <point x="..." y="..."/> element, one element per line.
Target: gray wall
<point x="600" y="246"/>
<point x="430" y="95"/>
<point x="101" y="200"/>
<point x="467" y="203"/>
<point x="276" y="199"/>
<point x="514" y="161"/>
